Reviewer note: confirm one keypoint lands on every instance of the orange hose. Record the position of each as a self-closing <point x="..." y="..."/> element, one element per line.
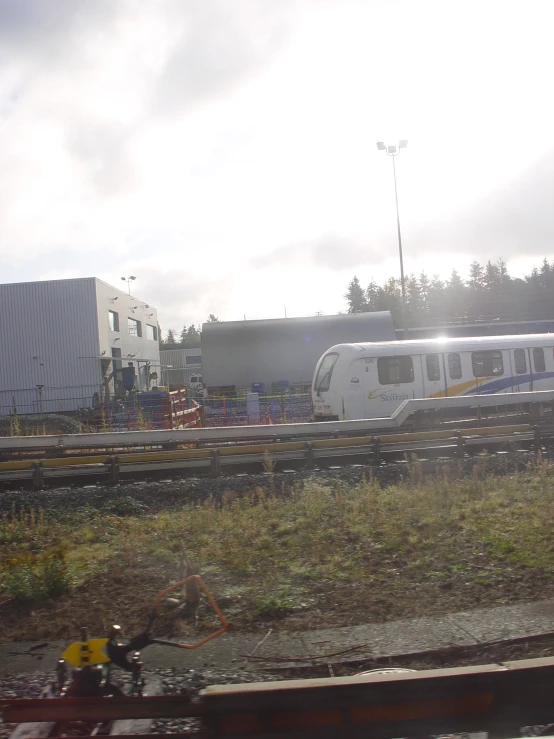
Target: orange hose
<point x="211" y="601"/>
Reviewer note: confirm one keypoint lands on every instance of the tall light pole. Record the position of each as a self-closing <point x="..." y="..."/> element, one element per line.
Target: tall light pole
<point x="128" y="280"/>
<point x="393" y="151"/>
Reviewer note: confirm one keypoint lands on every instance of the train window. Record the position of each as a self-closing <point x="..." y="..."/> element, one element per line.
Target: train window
<point x="538" y="360"/>
<point x="486" y="364"/>
<point x="520" y="361"/>
<point x="323" y="378"/>
<point x="395" y="370"/>
<point x="433" y="367"/>
<point x="454" y="366"/>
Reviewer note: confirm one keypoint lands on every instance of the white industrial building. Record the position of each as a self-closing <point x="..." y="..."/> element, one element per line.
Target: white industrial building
<point x="66" y="344"/>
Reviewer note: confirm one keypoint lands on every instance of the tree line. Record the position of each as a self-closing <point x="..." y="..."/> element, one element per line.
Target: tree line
<point x="189" y="336"/>
<point x="490" y="293"/>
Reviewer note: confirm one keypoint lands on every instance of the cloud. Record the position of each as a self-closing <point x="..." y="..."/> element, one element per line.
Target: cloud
<point x="512" y="221"/>
<point x="50" y="28"/>
<point x="329" y="251"/>
<point x="220" y="44"/>
<point x="179" y="295"/>
<point x="101" y="147"/>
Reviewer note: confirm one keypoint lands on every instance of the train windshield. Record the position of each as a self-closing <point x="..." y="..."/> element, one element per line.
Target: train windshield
<point x="323" y="377"/>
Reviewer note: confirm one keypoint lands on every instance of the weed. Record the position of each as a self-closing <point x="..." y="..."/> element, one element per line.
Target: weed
<point x="35" y="577"/>
<point x="273" y="606"/>
<point x="268" y="463"/>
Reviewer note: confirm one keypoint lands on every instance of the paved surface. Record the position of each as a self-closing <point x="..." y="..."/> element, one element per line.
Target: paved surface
<point x="391" y="639"/>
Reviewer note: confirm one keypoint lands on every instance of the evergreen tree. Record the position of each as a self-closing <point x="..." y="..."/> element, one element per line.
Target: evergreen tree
<point x="503" y="275"/>
<point x="192" y="336"/>
<point x="355" y="297"/>
<point x="424" y="286"/>
<point x="490" y="294"/>
<point x="373" y="296"/>
<point x="476" y="276"/>
<point x="491" y="280"/>
<point x="170" y="339"/>
<point x="212" y="319"/>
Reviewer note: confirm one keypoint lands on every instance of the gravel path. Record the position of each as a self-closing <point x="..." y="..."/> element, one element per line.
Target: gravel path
<point x="150" y="496"/>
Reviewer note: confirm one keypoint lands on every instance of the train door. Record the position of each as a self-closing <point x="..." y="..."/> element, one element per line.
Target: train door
<point x="354" y="398"/>
<point x="433" y="375"/>
<point x="521" y="377"/>
<point x="539" y="380"/>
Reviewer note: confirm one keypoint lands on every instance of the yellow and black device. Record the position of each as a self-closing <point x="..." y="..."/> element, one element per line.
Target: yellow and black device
<point x="113" y="650"/>
<point x="86" y="653"/>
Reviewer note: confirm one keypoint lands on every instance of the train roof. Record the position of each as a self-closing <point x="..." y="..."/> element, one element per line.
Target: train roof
<point x="446" y="344"/>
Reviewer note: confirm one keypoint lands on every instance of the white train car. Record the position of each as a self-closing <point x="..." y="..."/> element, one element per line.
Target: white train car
<point x="354" y="381"/>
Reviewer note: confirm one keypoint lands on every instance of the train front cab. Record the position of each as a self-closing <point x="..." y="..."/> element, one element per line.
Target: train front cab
<point x="321" y="395"/>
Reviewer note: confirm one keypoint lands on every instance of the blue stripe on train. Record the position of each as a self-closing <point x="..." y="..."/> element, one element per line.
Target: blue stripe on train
<point x="503" y="383"/>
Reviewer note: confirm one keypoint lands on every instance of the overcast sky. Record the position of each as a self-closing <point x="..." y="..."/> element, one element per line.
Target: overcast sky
<point x="223" y="151"/>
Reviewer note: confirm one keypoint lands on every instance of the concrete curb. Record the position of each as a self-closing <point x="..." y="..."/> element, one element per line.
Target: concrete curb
<point x="282" y="649"/>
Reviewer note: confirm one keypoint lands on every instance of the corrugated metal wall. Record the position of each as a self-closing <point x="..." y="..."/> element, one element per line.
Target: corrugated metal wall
<point x="45" y="327"/>
<point x="183" y="362"/>
<point x="240" y="353"/>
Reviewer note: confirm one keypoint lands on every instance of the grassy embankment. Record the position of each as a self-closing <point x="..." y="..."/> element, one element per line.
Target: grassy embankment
<point x="323" y="556"/>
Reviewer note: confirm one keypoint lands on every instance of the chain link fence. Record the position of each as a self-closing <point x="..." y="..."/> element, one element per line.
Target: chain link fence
<point x="257" y="409"/>
<point x="141" y="411"/>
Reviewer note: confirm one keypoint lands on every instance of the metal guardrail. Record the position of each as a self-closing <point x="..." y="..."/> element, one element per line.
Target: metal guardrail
<point x="279" y="431"/>
<point x="368" y="449"/>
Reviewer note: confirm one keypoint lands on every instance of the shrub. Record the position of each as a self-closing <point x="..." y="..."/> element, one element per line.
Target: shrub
<point x="36" y="577"/>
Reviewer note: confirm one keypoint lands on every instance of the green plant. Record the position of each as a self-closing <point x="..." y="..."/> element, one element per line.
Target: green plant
<point x="268" y="463"/>
<point x="15" y="426"/>
<point x="273" y="605"/>
<point x="35" y="577"/>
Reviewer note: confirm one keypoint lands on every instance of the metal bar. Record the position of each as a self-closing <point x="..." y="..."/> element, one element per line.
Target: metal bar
<point x="386" y="439"/>
<point x="468" y="696"/>
<point x="99" y="709"/>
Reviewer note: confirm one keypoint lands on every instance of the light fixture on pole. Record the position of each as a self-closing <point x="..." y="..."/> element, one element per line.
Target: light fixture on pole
<point x="393" y="151"/>
<point x="128" y="280"/>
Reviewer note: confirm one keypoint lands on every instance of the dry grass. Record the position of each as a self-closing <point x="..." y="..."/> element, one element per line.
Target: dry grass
<point x="348" y="553"/>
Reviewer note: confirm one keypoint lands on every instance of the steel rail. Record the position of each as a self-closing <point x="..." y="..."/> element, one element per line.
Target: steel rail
<point x="494" y="698"/>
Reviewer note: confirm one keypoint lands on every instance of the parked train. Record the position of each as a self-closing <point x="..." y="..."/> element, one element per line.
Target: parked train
<point x="371" y="380"/>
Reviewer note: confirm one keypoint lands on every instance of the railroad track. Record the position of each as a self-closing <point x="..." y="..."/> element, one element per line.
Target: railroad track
<point x="274" y="456"/>
<point x="498" y="699"/>
<point x="92" y="726"/>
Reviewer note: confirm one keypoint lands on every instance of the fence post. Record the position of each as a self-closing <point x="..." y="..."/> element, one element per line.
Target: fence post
<point x="216" y="463"/>
<point x="38" y="482"/>
<point x="309" y="455"/>
<point x="376" y="451"/>
<point x="537" y="437"/>
<point x="113" y="464"/>
<point x="460" y="445"/>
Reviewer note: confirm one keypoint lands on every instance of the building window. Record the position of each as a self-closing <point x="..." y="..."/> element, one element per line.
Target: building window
<point x="433" y="367"/>
<point x="538" y="359"/>
<point x="395" y="370"/>
<point x="151" y="332"/>
<point x="520" y="361"/>
<point x="114" y="320"/>
<point x="193" y="359"/>
<point x="486" y="364"/>
<point x="135" y="327"/>
<point x="454" y="366"/>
